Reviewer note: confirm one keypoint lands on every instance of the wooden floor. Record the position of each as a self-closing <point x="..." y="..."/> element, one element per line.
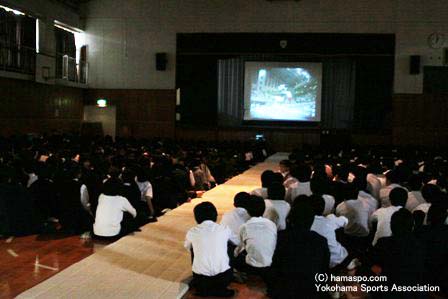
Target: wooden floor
<point x="149" y="264"/>
<point x="27" y="261"/>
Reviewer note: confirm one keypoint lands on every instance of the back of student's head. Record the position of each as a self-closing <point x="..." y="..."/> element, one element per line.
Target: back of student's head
<point x="285" y="165"/>
<point x="256" y="206"/>
<point x="401" y="223"/>
<point x="205" y="211"/>
<point x="350" y="191"/>
<point x="393" y="177"/>
<point x="437" y="214"/>
<point x="415" y="182"/>
<point x="301" y="197"/>
<point x="431" y="193"/>
<point x="302" y="172"/>
<point x="277" y="177"/>
<point x="112" y="187"/>
<point x="241" y="200"/>
<point x="398" y="196"/>
<point x="266" y="178"/>
<point x="301" y="216"/>
<point x="318" y="204"/>
<point x="319" y="185"/>
<point x="276" y="191"/>
<point x="128" y="176"/>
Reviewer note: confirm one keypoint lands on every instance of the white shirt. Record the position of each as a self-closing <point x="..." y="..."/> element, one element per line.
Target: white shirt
<point x="234" y="219"/>
<point x="277" y="211"/>
<point x="326" y="226"/>
<point x="384" y="194"/>
<point x="262" y="192"/>
<point x="32" y="177"/>
<point x="296" y="189"/>
<point x="209" y="243"/>
<point x="258" y="237"/>
<point x="145" y="189"/>
<point x="109" y="215"/>
<point x="373" y="185"/>
<point x="358" y="212"/>
<point x="383" y="216"/>
<point x="329" y="204"/>
<point x="415" y="198"/>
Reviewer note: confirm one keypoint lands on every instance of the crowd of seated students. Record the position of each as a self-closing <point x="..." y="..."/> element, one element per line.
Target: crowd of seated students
<point x="79" y="185"/>
<point x="366" y="212"/>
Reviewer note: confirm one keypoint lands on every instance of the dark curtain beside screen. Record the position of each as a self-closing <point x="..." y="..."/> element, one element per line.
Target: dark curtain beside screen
<point x="338" y="91"/>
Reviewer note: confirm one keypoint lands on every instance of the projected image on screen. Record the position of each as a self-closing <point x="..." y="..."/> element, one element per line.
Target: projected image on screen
<point x="282" y="91"/>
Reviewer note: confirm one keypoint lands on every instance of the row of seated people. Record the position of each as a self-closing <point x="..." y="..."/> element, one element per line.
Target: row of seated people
<point x="60" y="183"/>
<point x="311" y="218"/>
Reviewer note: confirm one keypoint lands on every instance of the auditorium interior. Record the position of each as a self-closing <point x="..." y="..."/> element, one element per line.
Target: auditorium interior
<point x="208" y="148"/>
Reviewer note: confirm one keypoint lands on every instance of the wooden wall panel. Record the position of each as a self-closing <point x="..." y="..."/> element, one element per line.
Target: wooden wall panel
<point x="30" y="107"/>
<point x="140" y="113"/>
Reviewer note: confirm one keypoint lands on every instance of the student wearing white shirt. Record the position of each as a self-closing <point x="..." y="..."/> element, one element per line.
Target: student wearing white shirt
<point x="415" y="197"/>
<point x="320" y="186"/>
<point x="326" y="227"/>
<point x="238" y="216"/>
<point x="109" y="213"/>
<point x="146" y="192"/>
<point x="208" y="243"/>
<point x="382" y="216"/>
<point x="432" y="194"/>
<point x="277" y="208"/>
<point x="266" y="179"/>
<point x="392" y="181"/>
<point x="301" y="186"/>
<point x="258" y="240"/>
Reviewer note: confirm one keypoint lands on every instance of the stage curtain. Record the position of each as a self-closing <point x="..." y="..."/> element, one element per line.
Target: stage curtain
<point x="338" y="93"/>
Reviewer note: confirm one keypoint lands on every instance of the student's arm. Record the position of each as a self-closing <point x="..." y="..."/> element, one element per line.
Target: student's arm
<point x="234" y="238"/>
<point x="241" y="246"/>
<point x="340" y="221"/>
<point x="148" y="198"/>
<point x="187" y="243"/>
<point x="85" y="199"/>
<point x="127" y="207"/>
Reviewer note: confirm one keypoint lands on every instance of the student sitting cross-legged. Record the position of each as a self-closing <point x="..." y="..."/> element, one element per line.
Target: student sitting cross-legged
<point x="237" y="217"/>
<point x="258" y="238"/>
<point x="208" y="243"/>
<point x="300" y="255"/>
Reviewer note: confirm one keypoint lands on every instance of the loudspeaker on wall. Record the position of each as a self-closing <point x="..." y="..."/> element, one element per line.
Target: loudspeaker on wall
<point x="414" y="64"/>
<point x="161" y="61"/>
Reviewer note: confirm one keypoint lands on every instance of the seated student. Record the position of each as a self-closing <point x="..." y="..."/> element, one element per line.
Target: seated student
<point x="326" y="227"/>
<point x="435" y="238"/>
<point x="373" y="182"/>
<point x="238" y="216"/>
<point x="208" y="243"/>
<point x="299" y="255"/>
<point x="131" y="192"/>
<point x="75" y="214"/>
<point x="302" y="185"/>
<point x="320" y="186"/>
<point x="401" y="256"/>
<point x="258" y="237"/>
<point x="146" y="193"/>
<point x="266" y="180"/>
<point x="285" y="170"/>
<point x="277" y="208"/>
<point x="431" y="194"/>
<point x="109" y="213"/>
<point x="382" y="216"/>
<point x="392" y="181"/>
<point x="415" y="197"/>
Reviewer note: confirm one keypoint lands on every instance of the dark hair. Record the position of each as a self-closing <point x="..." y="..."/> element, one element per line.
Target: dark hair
<point x="256" y="206"/>
<point x="205" y="211"/>
<point x="301" y="215"/>
<point x="350" y="191"/>
<point x="431" y="193"/>
<point x="286" y="163"/>
<point x="112" y="187"/>
<point x="241" y="199"/>
<point x="266" y="178"/>
<point x="301" y="197"/>
<point x="398" y="196"/>
<point x="437" y="214"/>
<point x="401" y="222"/>
<point x="128" y="176"/>
<point x="393" y="177"/>
<point x="415" y="182"/>
<point x="302" y="173"/>
<point x="276" y="191"/>
<point x="277" y="177"/>
<point x="319" y="185"/>
<point x="318" y="204"/>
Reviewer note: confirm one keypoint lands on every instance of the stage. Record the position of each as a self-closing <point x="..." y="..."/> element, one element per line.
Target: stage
<point x="148" y="264"/>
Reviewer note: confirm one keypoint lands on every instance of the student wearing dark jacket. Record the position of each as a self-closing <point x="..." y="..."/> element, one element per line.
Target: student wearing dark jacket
<point x="300" y="254"/>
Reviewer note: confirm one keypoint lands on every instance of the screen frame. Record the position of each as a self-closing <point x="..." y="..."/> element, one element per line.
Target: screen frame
<point x="287" y="122"/>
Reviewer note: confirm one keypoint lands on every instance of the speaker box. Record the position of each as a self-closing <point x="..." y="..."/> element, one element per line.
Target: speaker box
<point x="414" y="65"/>
<point x="161" y="61"/>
